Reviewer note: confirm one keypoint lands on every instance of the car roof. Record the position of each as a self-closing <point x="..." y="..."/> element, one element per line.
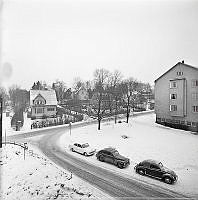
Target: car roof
<point x="80" y="143"/>
<point x="111" y="149"/>
<point x="151" y="161"/>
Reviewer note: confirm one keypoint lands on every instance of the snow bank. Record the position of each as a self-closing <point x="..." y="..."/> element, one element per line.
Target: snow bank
<point x="36" y="177"/>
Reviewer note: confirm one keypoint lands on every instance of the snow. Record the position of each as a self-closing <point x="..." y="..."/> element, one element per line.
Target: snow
<point x="176" y="149"/>
<point x="8" y="130"/>
<point x="138" y="140"/>
<point x="36" y="177"/>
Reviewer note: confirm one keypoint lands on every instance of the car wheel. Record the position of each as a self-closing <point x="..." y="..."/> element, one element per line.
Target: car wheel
<point x="120" y="165"/>
<point x="101" y="158"/>
<point x="85" y="154"/>
<point x="168" y="180"/>
<point x="141" y="172"/>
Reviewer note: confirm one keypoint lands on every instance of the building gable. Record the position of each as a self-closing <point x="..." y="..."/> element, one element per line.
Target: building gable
<point x="39" y="100"/>
<point x="48" y="95"/>
<point x="172" y="68"/>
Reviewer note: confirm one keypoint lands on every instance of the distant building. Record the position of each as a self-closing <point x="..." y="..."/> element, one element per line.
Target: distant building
<point x="43" y="103"/>
<point x="176" y="97"/>
<point x="81" y="94"/>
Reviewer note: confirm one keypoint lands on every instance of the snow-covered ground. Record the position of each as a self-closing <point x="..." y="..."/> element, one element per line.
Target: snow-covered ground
<point x="176" y="149"/>
<point x="36" y="177"/>
<point x="8" y="130"/>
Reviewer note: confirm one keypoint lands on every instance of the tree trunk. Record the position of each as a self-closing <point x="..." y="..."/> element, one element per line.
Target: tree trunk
<point x="128" y="110"/>
<point x="99" y="122"/>
<point x="116" y="111"/>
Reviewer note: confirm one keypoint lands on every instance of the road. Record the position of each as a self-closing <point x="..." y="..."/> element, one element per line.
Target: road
<point x="111" y="183"/>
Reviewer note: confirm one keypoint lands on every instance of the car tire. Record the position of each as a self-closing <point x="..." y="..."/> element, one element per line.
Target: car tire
<point x="141" y="172"/>
<point x="168" y="180"/>
<point x="101" y="158"/>
<point x="85" y="154"/>
<point x="120" y="165"/>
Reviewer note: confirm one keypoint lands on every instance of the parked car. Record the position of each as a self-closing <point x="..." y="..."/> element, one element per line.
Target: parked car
<point x="82" y="148"/>
<point x="112" y="156"/>
<point x="156" y="169"/>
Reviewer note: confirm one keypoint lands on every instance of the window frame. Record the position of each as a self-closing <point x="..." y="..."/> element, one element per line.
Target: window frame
<point x="195" y="109"/>
<point x="171" y="108"/>
<point x="194" y="83"/>
<point x="173" y="84"/>
<point x="173" y="95"/>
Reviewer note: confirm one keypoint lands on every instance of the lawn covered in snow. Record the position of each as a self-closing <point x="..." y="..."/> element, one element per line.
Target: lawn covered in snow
<point x="176" y="149"/>
<point x="38" y="178"/>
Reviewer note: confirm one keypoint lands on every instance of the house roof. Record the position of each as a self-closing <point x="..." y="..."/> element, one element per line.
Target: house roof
<point x="48" y="95"/>
<point x="79" y="89"/>
<point x="184" y="64"/>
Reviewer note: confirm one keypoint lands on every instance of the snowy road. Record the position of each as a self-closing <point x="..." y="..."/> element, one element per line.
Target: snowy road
<point x="112" y="183"/>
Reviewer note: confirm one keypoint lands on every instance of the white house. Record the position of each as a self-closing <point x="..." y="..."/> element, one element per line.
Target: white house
<point x="43" y="103"/>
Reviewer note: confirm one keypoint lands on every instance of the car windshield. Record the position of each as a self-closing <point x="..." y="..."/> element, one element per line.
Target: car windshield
<point x="116" y="152"/>
<point x="85" y="145"/>
<point x="160" y="164"/>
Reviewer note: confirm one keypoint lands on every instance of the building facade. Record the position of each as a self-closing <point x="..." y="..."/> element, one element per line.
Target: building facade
<point x="81" y="94"/>
<point x="43" y="103"/>
<point x="176" y="97"/>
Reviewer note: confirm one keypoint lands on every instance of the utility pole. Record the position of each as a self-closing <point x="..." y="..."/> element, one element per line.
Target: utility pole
<point x="1" y="117"/>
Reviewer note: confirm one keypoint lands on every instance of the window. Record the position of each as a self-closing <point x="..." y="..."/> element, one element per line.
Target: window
<point x="163" y="120"/>
<point x="195" y="109"/>
<point x="154" y="167"/>
<point x="173" y="107"/>
<point x="39" y="110"/>
<point x="179" y="73"/>
<point x="173" y="84"/>
<point x="173" y="96"/>
<point x="188" y="123"/>
<point x="158" y="119"/>
<point x="182" y="122"/>
<point x="195" y="96"/>
<point x="39" y="102"/>
<point x="194" y="83"/>
<point x="50" y="109"/>
<point x="168" y="120"/>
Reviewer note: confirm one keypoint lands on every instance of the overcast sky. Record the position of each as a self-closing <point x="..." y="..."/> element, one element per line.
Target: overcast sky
<point x="63" y="39"/>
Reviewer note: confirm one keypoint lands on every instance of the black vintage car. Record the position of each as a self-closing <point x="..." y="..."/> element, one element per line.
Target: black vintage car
<point x="155" y="169"/>
<point x="112" y="156"/>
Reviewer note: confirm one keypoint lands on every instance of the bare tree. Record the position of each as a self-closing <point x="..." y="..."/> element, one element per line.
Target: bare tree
<point x="113" y="91"/>
<point x="78" y="83"/>
<point x="100" y="79"/>
<point x="60" y="88"/>
<point x="4" y="95"/>
<point x="129" y="89"/>
<point x="19" y="98"/>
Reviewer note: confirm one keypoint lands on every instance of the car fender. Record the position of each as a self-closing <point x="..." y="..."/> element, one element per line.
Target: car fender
<point x="168" y="175"/>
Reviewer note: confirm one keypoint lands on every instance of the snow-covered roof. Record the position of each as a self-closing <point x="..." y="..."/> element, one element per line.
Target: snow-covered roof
<point x="48" y="95"/>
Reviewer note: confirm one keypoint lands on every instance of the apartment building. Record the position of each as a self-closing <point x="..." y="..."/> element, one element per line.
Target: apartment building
<point x="176" y="97"/>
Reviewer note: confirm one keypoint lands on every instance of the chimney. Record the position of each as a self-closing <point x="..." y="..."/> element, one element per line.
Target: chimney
<point x="183" y="61"/>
